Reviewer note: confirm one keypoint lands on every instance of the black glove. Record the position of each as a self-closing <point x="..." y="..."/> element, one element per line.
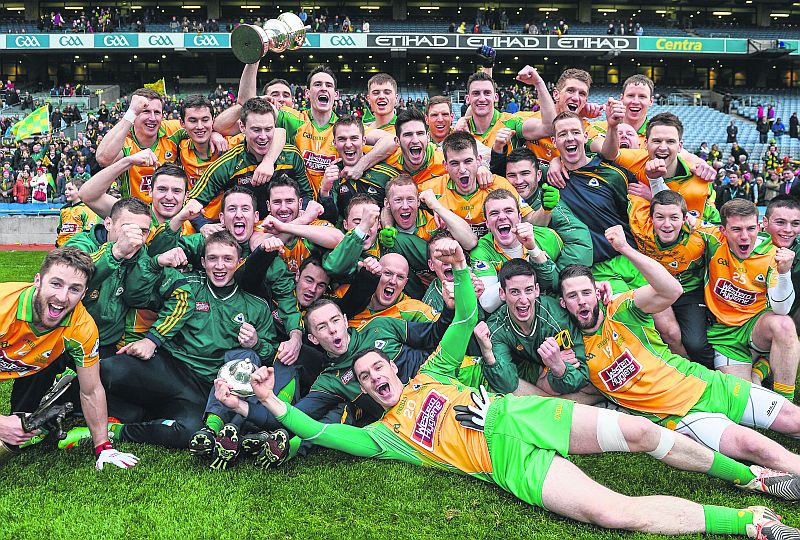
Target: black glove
<point x="487" y="55"/>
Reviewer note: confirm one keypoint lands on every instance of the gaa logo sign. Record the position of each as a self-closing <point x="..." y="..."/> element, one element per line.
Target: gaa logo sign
<point x="160" y="40"/>
<point x="343" y="41"/>
<point x="27" y="42"/>
<point x="205" y="40"/>
<point x="70" y="41"/>
<point x="116" y="41"/>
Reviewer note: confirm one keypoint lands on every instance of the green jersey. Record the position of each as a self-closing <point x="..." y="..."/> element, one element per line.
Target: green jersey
<point x="235" y="168"/>
<point x="110" y="280"/>
<point x="488" y="257"/>
<point x="342" y="261"/>
<point x="210" y="327"/>
<point x="278" y="282"/>
<point x="372" y="183"/>
<point x="573" y="232"/>
<point x="516" y="353"/>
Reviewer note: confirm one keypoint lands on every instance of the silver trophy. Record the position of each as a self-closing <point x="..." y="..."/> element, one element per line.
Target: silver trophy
<point x="237" y="374"/>
<point x="250" y="43"/>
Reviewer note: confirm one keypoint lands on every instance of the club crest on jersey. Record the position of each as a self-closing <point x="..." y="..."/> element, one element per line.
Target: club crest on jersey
<point x="620" y="371"/>
<point x="480" y="265"/>
<point x="425" y="426"/>
<point x="760" y="278"/>
<point x="239" y="318"/>
<point x="344" y="188"/>
<point x="168" y="155"/>
<point x="202" y="306"/>
<point x="119" y="291"/>
<point x="95" y="294"/>
<point x="379" y="343"/>
<point x="372" y="191"/>
<point x="731" y="293"/>
<point x="593" y="182"/>
<point x="673" y="264"/>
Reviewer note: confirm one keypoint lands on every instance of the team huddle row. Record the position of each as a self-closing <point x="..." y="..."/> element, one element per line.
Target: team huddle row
<point x="407" y="290"/>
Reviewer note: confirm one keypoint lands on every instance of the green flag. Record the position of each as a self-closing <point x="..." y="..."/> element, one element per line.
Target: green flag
<point x="36" y="122"/>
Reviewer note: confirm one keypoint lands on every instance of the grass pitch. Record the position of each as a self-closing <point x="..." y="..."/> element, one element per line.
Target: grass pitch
<point x="47" y="493"/>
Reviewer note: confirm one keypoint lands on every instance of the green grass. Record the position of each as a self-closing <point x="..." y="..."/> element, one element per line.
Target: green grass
<point x="46" y="493"/>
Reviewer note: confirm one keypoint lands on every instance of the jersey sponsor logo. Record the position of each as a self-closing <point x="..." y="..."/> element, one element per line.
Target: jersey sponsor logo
<point x="425" y="426"/>
<point x="722" y="262"/>
<point x="731" y="293"/>
<point x="317" y="162"/>
<point x="347" y="377"/>
<point x="202" y="306"/>
<point x="620" y="371"/>
<point x="10" y="365"/>
<point x="69" y="228"/>
<point x="244" y="179"/>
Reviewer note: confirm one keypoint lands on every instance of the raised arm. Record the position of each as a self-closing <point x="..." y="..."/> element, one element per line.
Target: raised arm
<point x="662" y="289"/>
<point x="533" y="128"/>
<point x="94" y="193"/>
<point x="227" y="123"/>
<point x="110" y="148"/>
<point x="458" y="227"/>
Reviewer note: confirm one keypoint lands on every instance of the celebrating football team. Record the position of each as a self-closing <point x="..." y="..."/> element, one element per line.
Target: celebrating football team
<point x="488" y="297"/>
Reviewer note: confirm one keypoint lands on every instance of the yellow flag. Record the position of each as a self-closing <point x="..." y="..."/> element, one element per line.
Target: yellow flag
<point x="158" y="86"/>
<point x="36" y="122"/>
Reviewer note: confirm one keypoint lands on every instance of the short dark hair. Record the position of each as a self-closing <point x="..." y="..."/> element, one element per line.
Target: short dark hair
<point x="315" y="305"/>
<point x="273" y="82"/>
<point x="572" y="271"/>
<point x="782" y="202"/>
<point x="357" y="200"/>
<point x="565" y="116"/>
<point x="458" y="141"/>
<point x="365" y="352"/>
<point x="437" y="100"/>
<point x="308" y="261"/>
<point x="438" y="235"/>
<point x="348" y="120"/>
<point x="322" y="68"/>
<point x="169" y="169"/>
<point x="71" y="257"/>
<point x="196" y="101"/>
<point x="239" y="189"/>
<point x="382" y="78"/>
<point x="523" y="153"/>
<point x="480" y="76"/>
<point x="256" y="105"/>
<point x="513" y="268"/>
<point x="411" y="114"/>
<point x="132" y="205"/>
<point x="665" y="119"/>
<point x="499" y="195"/>
<point x="668" y="198"/>
<point x="223" y="237"/>
<point x="737" y="208"/>
<point x="283" y="180"/>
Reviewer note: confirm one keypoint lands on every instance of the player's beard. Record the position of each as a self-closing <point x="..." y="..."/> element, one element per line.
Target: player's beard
<point x="591" y="323"/>
<point x="39" y="309"/>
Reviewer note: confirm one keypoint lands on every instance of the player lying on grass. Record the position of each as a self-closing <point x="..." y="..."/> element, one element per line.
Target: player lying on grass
<point x="630" y="364"/>
<point x="519" y="443"/>
<point x="44" y="329"/>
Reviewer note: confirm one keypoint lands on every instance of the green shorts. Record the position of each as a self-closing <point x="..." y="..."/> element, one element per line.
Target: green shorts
<point x="620" y="272"/>
<point x="732" y="341"/>
<point x="523" y="435"/>
<point x="724" y="394"/>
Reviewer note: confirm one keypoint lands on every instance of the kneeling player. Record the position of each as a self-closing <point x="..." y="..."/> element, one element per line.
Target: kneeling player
<point x="517" y="442"/>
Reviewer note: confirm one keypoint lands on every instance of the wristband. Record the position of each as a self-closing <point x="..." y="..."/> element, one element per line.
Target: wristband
<point x="130" y="116"/>
<point x="534" y="253"/>
<point x="102" y="446"/>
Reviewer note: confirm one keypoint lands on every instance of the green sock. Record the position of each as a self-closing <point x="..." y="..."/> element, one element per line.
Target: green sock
<point x="214" y="422"/>
<point x="722" y="520"/>
<point x="294" y="446"/>
<point x="730" y="470"/>
<point x="114" y="428"/>
<point x="785" y="390"/>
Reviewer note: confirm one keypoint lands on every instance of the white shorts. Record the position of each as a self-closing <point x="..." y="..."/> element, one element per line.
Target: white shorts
<point x="706" y="428"/>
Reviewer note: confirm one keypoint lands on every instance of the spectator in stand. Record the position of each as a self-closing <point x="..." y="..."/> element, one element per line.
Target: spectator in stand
<point x="737" y="151"/>
<point x="55" y="119"/>
<point x="6" y="185"/>
<point x="703" y="152"/>
<point x="759" y="189"/>
<point x="790" y="184"/>
<point x="365" y="27"/>
<point x="794" y="126"/>
<point x="735" y="189"/>
<point x="763" y="129"/>
<point x="770" y="116"/>
<point x="772" y="159"/>
<point x="638" y="29"/>
<point x="732" y="131"/>
<point x="715" y="154"/>
<point x="779" y="128"/>
<point x="773" y="185"/>
<point x="174" y="25"/>
<point x="22" y="188"/>
<point x="759" y="112"/>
